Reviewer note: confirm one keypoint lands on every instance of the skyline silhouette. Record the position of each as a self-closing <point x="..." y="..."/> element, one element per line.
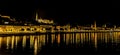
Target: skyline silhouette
<point x="81" y="12"/>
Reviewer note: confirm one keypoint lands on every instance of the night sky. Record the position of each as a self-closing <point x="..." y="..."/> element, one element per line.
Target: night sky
<point x="63" y="11"/>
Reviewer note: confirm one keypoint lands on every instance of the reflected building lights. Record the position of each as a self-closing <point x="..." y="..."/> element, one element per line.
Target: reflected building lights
<point x="87" y="37"/>
<point x="47" y="38"/>
<point x="7" y="42"/>
<point x="24" y="41"/>
<point x="16" y="40"/>
<point x="31" y="41"/>
<point x="35" y="47"/>
<point x="53" y="37"/>
<point x="64" y="38"/>
<point x="67" y="39"/>
<point x="43" y="40"/>
<point x="84" y="37"/>
<point x="106" y="38"/>
<point x="92" y="36"/>
<point x="0" y="41"/>
<point x="40" y="42"/>
<point x="79" y="39"/>
<point x="58" y="39"/>
<point x="70" y="38"/>
<point x="95" y="40"/>
<point x="73" y="38"/>
<point x="13" y="40"/>
<point x="116" y="38"/>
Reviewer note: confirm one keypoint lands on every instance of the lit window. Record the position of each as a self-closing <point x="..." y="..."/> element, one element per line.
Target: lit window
<point x="6" y="22"/>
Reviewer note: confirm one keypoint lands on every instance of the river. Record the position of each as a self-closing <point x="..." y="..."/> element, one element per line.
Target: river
<point x="61" y="43"/>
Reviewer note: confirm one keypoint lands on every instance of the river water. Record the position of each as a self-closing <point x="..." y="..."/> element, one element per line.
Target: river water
<point x="61" y="43"/>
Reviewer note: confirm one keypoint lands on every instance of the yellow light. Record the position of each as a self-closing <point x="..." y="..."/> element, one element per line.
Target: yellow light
<point x="8" y="42"/>
<point x="58" y="38"/>
<point x="5" y="16"/>
<point x="35" y="47"/>
<point x="31" y="41"/>
<point x="0" y="41"/>
<point x="12" y="45"/>
<point x="24" y="41"/>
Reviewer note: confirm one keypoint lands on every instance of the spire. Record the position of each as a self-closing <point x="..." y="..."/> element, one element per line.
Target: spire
<point x="95" y="25"/>
<point x="36" y="16"/>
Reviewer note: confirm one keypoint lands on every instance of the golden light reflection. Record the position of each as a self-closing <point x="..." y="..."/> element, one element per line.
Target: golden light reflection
<point x="8" y="42"/>
<point x="89" y="37"/>
<point x="35" y="47"/>
<point x="24" y="41"/>
<point x="38" y="41"/>
<point x="31" y="41"/>
<point x="118" y="37"/>
<point x="106" y="39"/>
<point x="16" y="40"/>
<point x="64" y="37"/>
<point x="58" y="39"/>
<point x="77" y="37"/>
<point x="0" y="42"/>
<point x="82" y="39"/>
<point x="53" y="37"/>
<point x="115" y="38"/>
<point x="92" y="37"/>
<point x="73" y="38"/>
<point x="67" y="38"/>
<point x="13" y="40"/>
<point x="95" y="40"/>
<point x="47" y="38"/>
<point x="70" y="38"/>
<point x="41" y="41"/>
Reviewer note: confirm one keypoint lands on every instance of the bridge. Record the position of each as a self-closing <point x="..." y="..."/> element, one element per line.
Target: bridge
<point x="22" y="29"/>
<point x="11" y="29"/>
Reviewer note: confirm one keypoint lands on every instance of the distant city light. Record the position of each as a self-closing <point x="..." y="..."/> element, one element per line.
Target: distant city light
<point x="40" y="20"/>
<point x="6" y="22"/>
<point x="25" y="24"/>
<point x="5" y="16"/>
<point x="44" y="21"/>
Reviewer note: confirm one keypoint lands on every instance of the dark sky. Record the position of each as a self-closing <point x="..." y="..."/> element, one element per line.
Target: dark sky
<point x="64" y="11"/>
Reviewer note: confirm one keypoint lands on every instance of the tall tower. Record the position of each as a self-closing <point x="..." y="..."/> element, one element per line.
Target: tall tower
<point x="36" y="18"/>
<point x="95" y="25"/>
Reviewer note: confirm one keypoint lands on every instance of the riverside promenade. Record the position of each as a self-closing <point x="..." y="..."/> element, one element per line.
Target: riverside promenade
<point x="56" y="31"/>
<point x="47" y="29"/>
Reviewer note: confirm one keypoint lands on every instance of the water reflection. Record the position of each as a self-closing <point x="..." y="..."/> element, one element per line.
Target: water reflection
<point x="36" y="43"/>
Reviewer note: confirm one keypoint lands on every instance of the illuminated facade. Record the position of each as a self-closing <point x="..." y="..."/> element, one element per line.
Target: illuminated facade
<point x="46" y="25"/>
<point x="40" y="20"/>
<point x="10" y="29"/>
<point x="6" y="20"/>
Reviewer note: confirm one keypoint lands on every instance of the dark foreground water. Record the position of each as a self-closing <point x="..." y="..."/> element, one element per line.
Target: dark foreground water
<point x="61" y="43"/>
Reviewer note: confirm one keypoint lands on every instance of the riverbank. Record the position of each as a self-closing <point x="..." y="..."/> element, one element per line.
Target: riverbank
<point x="61" y="31"/>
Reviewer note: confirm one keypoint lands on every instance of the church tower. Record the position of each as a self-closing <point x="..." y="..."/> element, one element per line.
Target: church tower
<point x="36" y="18"/>
<point x="95" y="27"/>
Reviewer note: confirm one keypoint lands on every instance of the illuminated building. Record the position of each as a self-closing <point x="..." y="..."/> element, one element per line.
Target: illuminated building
<point x="6" y="20"/>
<point x="46" y="21"/>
